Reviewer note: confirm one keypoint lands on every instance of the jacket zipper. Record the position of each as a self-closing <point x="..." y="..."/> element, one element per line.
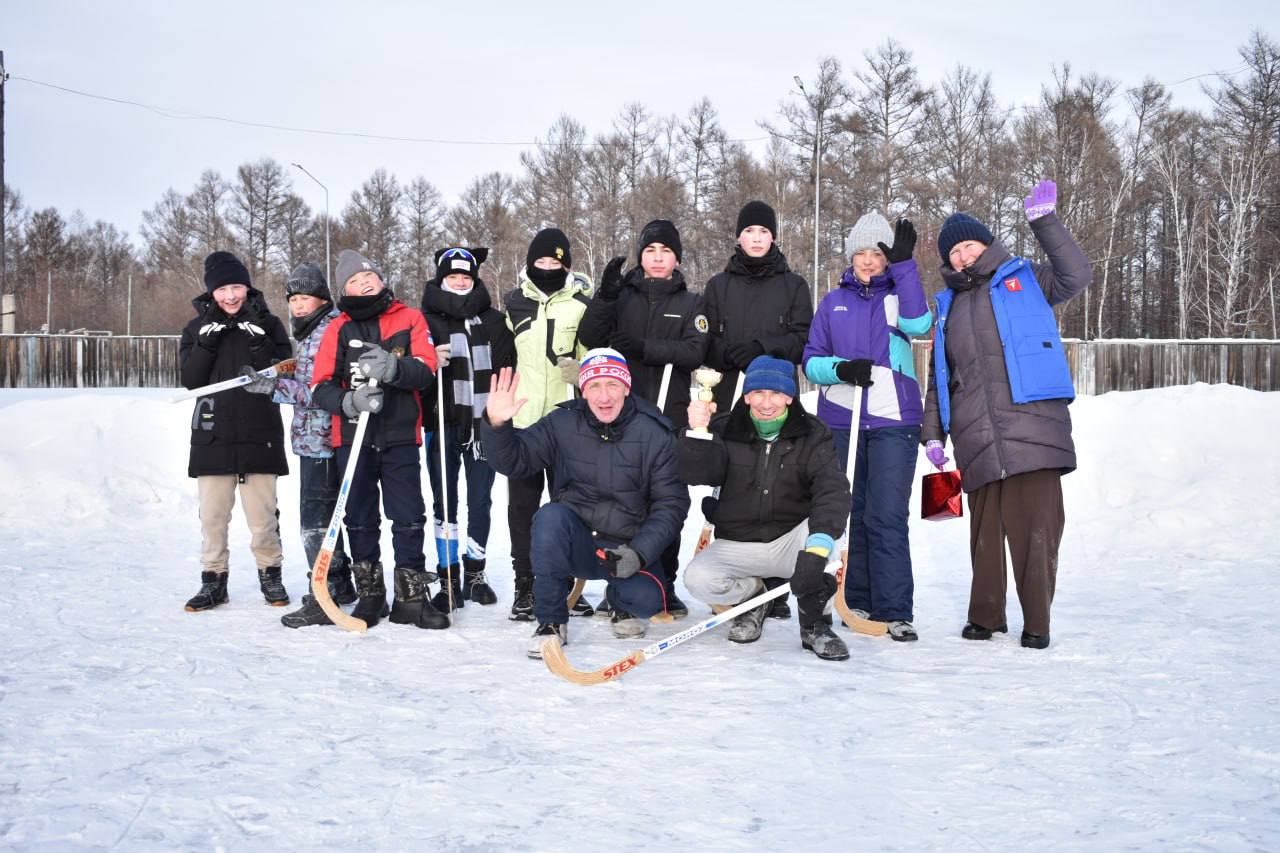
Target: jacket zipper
<point x="986" y="385"/>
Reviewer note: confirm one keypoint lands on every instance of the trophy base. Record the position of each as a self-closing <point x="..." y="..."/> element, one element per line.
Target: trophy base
<point x="702" y="434"/>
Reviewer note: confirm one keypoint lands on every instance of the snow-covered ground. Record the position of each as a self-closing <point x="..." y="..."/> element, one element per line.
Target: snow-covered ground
<point x="1153" y="721"/>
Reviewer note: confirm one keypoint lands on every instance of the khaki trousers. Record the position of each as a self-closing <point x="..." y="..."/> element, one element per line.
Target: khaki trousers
<point x="257" y="499"/>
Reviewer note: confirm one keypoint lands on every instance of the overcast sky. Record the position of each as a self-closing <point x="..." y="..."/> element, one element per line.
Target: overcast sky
<point x="496" y="72"/>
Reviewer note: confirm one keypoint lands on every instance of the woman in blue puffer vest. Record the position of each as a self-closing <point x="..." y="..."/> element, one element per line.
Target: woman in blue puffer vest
<point x="999" y="388"/>
<point x="861" y="336"/>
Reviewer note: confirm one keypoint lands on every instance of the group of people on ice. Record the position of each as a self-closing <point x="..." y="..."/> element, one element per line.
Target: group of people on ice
<point x="602" y="396"/>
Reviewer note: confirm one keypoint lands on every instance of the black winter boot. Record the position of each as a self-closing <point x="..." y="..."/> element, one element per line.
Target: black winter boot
<point x="310" y="613"/>
<point x="213" y="591"/>
<point x="522" y="606"/>
<point x="475" y="585"/>
<point x="778" y="608"/>
<point x="411" y="606"/>
<point x="372" y="590"/>
<point x="450" y="576"/>
<point x="340" y="585"/>
<point x="272" y="587"/>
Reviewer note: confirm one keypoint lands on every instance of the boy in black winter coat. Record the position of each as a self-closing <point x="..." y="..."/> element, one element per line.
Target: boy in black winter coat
<point x="757" y="306"/>
<point x="650" y="316"/>
<point x="237" y="436"/>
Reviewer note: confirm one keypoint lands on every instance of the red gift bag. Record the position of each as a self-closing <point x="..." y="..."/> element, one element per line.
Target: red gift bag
<point x="941" y="496"/>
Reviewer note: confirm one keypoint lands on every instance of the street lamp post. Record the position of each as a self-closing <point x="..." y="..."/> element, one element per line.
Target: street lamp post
<point x="817" y="186"/>
<point x="328" y="255"/>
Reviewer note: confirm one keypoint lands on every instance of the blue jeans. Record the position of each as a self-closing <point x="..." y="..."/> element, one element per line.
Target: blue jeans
<point x="563" y="549"/>
<point x="479" y="478"/>
<point x="399" y="473"/>
<point x="878" y="579"/>
<point x="318" y="495"/>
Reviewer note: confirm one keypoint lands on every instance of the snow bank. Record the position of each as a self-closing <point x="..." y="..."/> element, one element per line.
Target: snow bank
<point x="1151" y="722"/>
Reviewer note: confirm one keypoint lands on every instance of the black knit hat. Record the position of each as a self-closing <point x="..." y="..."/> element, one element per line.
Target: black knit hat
<point x="222" y="268"/>
<point x="757" y="213"/>
<point x="549" y="243"/>
<point x="958" y="228"/>
<point x="456" y="259"/>
<point x="307" y="280"/>
<point x="660" y="231"/>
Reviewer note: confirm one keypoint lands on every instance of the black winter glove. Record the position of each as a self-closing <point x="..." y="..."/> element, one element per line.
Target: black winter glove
<point x="855" y="372"/>
<point x="810" y="576"/>
<point x="256" y="334"/>
<point x="631" y="348"/>
<point x="709" y="506"/>
<point x="210" y="333"/>
<point x="611" y="279"/>
<point x="904" y="242"/>
<point x="623" y="562"/>
<point x="258" y="384"/>
<point x="366" y="398"/>
<point x="738" y="356"/>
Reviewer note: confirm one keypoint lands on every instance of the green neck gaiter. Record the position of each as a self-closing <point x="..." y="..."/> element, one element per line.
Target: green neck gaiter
<point x="768" y="430"/>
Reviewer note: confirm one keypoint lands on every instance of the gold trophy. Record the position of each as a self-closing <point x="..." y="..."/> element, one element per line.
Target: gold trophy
<point x="706" y="378"/>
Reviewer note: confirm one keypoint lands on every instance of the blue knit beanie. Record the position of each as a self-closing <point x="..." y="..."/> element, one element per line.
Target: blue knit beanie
<point x="958" y="228"/>
<point x="766" y="373"/>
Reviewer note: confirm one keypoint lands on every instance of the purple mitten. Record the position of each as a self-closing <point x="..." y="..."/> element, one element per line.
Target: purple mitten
<point x="1042" y="201"/>
<point x="934" y="453"/>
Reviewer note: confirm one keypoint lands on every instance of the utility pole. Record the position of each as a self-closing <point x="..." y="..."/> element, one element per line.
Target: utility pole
<point x="328" y="255"/>
<point x="817" y="181"/>
<point x="4" y="194"/>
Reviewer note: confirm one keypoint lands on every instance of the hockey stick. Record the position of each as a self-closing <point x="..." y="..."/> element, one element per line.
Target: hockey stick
<point x="553" y="653"/>
<point x="704" y="538"/>
<point x="320" y="571"/>
<point x="444" y="487"/>
<point x="271" y="372"/>
<point x="665" y="617"/>
<point x="855" y="622"/>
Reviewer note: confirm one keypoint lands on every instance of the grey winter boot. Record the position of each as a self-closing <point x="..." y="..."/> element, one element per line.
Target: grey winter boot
<point x="411" y="606"/>
<point x="372" y="590"/>
<point x="823" y="642"/>
<point x="747" y="627"/>
<point x="272" y="587"/>
<point x="213" y="591"/>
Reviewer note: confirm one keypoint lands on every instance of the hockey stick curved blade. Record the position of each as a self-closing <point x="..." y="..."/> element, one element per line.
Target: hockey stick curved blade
<point x="553" y="657"/>
<point x="320" y="589"/>
<point x="553" y="654"/>
<point x="856" y="623"/>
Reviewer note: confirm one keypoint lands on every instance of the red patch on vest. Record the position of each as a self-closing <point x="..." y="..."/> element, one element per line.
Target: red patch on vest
<point x="1012" y="284"/>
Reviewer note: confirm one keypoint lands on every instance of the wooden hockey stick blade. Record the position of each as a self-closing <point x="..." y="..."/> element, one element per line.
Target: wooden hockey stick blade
<point x="578" y="585"/>
<point x="320" y="589"/>
<point x="855" y="623"/>
<point x="553" y="654"/>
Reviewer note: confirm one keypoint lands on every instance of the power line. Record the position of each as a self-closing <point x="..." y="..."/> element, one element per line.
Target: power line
<point x="172" y="113"/>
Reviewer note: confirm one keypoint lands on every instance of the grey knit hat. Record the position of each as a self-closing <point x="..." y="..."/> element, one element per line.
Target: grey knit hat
<point x="351" y="262"/>
<point x="871" y="229"/>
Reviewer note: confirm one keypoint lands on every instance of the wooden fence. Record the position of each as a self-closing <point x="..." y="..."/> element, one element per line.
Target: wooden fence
<point x="80" y="361"/>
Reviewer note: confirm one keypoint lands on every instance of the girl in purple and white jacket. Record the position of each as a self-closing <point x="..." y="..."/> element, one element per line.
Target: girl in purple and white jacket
<point x="861" y="336"/>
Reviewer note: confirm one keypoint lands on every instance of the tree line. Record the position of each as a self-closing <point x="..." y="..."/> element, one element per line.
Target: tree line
<point x="1178" y="209"/>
